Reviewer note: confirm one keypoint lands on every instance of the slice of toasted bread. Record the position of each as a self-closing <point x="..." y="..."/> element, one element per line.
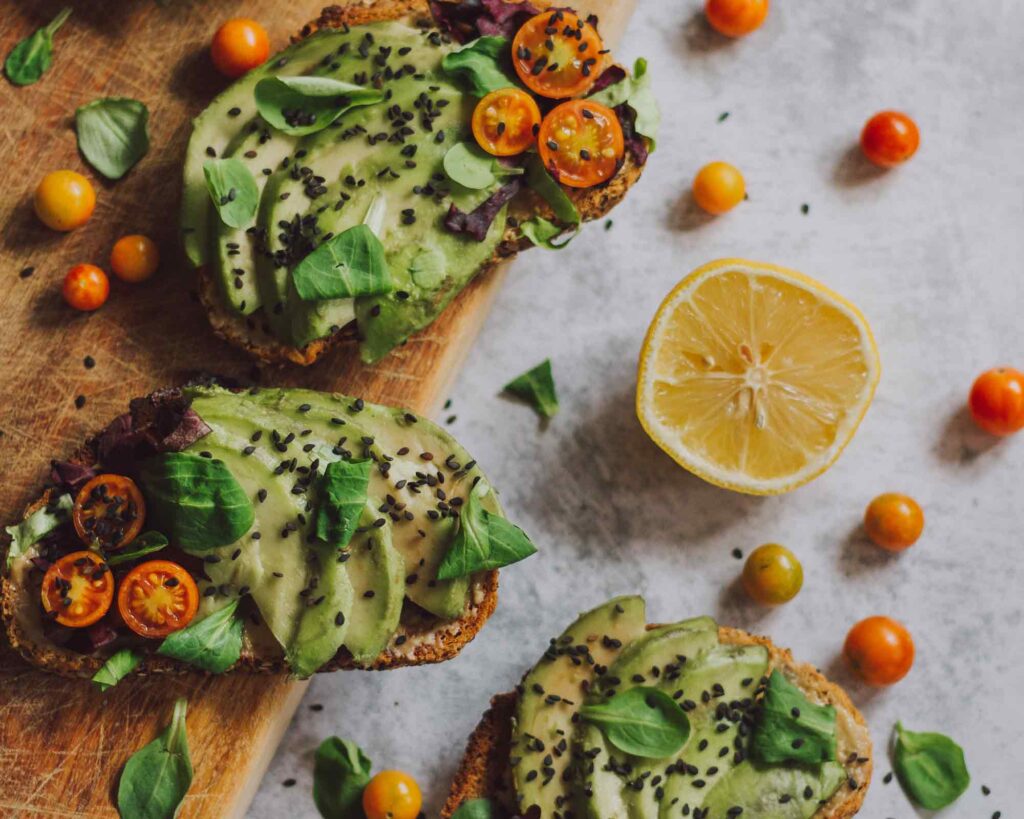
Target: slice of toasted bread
<point x="421" y="637"/>
<point x="484" y="769"/>
<point x="249" y="333"/>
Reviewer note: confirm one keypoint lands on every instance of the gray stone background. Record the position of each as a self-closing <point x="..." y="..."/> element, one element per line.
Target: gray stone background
<point x="931" y="252"/>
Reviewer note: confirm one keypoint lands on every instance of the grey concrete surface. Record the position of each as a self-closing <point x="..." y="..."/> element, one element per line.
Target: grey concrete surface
<point x="932" y="253"/>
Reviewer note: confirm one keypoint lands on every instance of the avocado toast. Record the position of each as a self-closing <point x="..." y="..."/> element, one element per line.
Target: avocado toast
<point x="537" y="753"/>
<point x="382" y="163"/>
<point x="258" y="530"/>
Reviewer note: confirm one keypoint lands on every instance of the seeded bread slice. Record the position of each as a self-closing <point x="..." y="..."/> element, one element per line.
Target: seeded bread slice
<point x="249" y="333"/>
<point x="420" y="639"/>
<point x="484" y="769"/>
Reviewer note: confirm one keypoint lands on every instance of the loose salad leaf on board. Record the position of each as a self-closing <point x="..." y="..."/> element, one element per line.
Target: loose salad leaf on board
<point x="113" y="134"/>
<point x="156" y="777"/>
<point x="341" y="772"/>
<point x="33" y="56"/>
<point x="930" y="767"/>
<point x="116" y="668"/>
<point x="213" y="643"/>
<point x="641" y="721"/>
<point x="305" y="105"/>
<point x="537" y="387"/>
<point x="233" y="191"/>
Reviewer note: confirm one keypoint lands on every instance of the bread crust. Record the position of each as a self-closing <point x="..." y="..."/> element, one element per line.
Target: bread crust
<point x="426" y="638"/>
<point x="484" y="769"/>
<point x="249" y="332"/>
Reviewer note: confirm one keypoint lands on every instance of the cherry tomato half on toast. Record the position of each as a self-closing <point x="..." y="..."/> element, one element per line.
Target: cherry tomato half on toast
<point x="78" y="589"/>
<point x="506" y="122"/>
<point x="889" y="138"/>
<point x="157" y="597"/>
<point x="86" y="287"/>
<point x="109" y="511"/>
<point x="997" y="401"/>
<point x="880" y="650"/>
<point x="581" y="143"/>
<point x="238" y="46"/>
<point x="558" y="55"/>
<point x="392" y="795"/>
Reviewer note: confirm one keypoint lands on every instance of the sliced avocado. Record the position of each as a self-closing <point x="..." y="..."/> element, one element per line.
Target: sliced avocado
<point x="326" y="621"/>
<point x="774" y="791"/>
<point x="550" y="696"/>
<point x="215" y="128"/>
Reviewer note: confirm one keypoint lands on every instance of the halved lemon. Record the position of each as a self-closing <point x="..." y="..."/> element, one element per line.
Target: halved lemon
<point x="755" y="377"/>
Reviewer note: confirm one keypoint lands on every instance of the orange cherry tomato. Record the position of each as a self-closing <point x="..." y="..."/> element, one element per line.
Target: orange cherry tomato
<point x="894" y="521"/>
<point x="736" y="18"/>
<point x="239" y="45"/>
<point x="880" y="650"/>
<point x="64" y="200"/>
<point x="889" y="138"/>
<point x="997" y="401"/>
<point x="581" y="143"/>
<point x="506" y="122"/>
<point x="157" y="597"/>
<point x="134" y="258"/>
<point x="558" y="55"/>
<point x="86" y="287"/>
<point x="78" y="589"/>
<point x="718" y="187"/>
<point x="392" y="795"/>
<point x="109" y="511"/>
<point x="772" y="575"/>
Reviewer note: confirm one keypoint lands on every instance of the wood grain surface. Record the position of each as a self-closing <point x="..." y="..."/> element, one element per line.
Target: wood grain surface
<point x="62" y="744"/>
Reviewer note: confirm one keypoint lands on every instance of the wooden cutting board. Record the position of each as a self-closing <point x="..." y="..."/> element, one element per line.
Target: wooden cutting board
<point x="62" y="744"/>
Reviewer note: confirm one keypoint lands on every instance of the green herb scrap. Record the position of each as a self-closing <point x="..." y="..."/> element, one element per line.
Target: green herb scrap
<point x="144" y="544"/>
<point x="213" y="643"/>
<point x="546" y="234"/>
<point x="33" y="56"/>
<point x="537" y="387"/>
<point x="116" y="668"/>
<point x="348" y="265"/>
<point x="483" y="541"/>
<point x="305" y="105"/>
<point x="478" y="809"/>
<point x="545" y="186"/>
<point x="930" y="767"/>
<point x="467" y="164"/>
<point x="341" y="772"/>
<point x="156" y="777"/>
<point x="233" y="191"/>
<point x="641" y="721"/>
<point x="38" y="525"/>
<point x="480" y="64"/>
<point x="113" y="134"/>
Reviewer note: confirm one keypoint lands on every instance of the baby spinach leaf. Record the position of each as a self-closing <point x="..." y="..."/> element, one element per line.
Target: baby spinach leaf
<point x="156" y="777"/>
<point x="341" y="494"/>
<point x="483" y="541"/>
<point x="305" y="105"/>
<point x="545" y="186"/>
<point x="791" y="727"/>
<point x="537" y="387"/>
<point x="470" y="166"/>
<point x="543" y="233"/>
<point x="37" y="526"/>
<point x="348" y="265"/>
<point x="118" y="666"/>
<point x="478" y="809"/>
<point x="195" y="500"/>
<point x="636" y="92"/>
<point x="641" y="721"/>
<point x="480" y="63"/>
<point x="144" y="544"/>
<point x="213" y="644"/>
<point x="341" y="772"/>
<point x="33" y="56"/>
<point x="930" y="767"/>
<point x="233" y="191"/>
<point x="113" y="134"/>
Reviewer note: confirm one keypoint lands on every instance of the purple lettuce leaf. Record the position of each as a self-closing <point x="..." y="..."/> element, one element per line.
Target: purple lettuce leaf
<point x="478" y="221"/>
<point x="466" y="20"/>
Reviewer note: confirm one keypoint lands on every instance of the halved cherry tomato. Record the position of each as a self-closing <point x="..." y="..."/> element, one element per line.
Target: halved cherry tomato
<point x="78" y="589"/>
<point x="997" y="401"/>
<point x="392" y="795"/>
<point x="86" y="287"/>
<point x="109" y="511"/>
<point x="736" y="18"/>
<point x="239" y="45"/>
<point x="157" y="597"/>
<point x="64" y="200"/>
<point x="581" y="143"/>
<point x="894" y="521"/>
<point x="558" y="55"/>
<point x="880" y="650"/>
<point x="889" y="138"/>
<point x="506" y="121"/>
<point x="134" y="258"/>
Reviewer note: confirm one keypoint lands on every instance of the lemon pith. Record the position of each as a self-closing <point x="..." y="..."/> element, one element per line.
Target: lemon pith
<point x="755" y="377"/>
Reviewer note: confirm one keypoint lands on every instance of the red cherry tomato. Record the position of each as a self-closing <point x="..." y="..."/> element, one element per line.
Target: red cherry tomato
<point x="894" y="521"/>
<point x="134" y="258"/>
<point x="78" y="589"/>
<point x="239" y="45"/>
<point x="997" y="401"/>
<point x="890" y="138"/>
<point x="86" y="287"/>
<point x="557" y="55"/>
<point x="157" y="598"/>
<point x="880" y="650"/>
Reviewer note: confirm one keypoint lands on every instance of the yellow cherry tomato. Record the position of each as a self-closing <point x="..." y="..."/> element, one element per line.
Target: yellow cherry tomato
<point x="392" y="795"/>
<point x="894" y="521"/>
<point x="719" y="187"/>
<point x="134" y="258"/>
<point x="86" y="287"/>
<point x="736" y="18"/>
<point x="239" y="45"/>
<point x="772" y="575"/>
<point x="64" y="200"/>
<point x="506" y="122"/>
